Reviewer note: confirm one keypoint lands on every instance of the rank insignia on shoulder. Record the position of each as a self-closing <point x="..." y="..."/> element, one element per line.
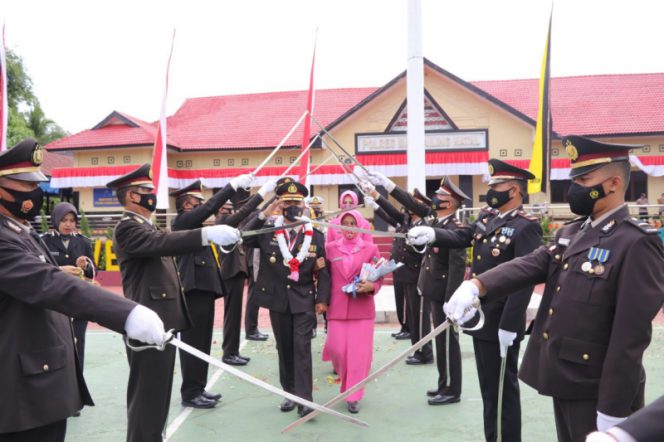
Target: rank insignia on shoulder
<point x="608" y="226"/>
<point x="526" y="215"/>
<point x="16" y="228"/>
<point x="643" y="226"/>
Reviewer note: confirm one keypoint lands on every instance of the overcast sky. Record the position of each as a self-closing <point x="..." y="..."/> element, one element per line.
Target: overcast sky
<point x="88" y="58"/>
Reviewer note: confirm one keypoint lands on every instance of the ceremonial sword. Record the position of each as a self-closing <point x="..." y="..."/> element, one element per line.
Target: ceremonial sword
<point x="382" y="370"/>
<point x="171" y="339"/>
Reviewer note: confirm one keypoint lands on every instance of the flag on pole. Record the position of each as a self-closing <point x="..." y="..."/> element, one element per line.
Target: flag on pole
<point x="159" y="160"/>
<point x="4" y="100"/>
<point x="541" y="160"/>
<point x="303" y="174"/>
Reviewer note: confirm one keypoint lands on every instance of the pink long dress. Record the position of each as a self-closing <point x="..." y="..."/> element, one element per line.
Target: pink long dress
<point x="350" y="326"/>
<point x="334" y="234"/>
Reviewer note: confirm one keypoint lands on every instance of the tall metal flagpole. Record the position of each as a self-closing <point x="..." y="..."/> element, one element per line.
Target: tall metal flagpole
<point x="415" y="87"/>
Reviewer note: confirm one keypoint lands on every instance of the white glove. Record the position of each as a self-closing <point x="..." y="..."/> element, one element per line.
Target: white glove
<point x="604" y="421"/>
<point x="370" y="202"/>
<point x="145" y="325"/>
<point x="367" y="187"/>
<point x="613" y="435"/>
<point x="220" y="234"/>
<point x="267" y="187"/>
<point x="242" y="181"/>
<point x="420" y="235"/>
<point x="460" y="306"/>
<point x="506" y="339"/>
<point x="378" y="179"/>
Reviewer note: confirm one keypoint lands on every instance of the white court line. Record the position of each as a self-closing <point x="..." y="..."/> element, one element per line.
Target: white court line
<point x="186" y="411"/>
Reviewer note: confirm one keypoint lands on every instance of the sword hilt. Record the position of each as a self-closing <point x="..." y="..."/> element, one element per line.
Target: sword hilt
<point x="477" y="305"/>
<point x="168" y="336"/>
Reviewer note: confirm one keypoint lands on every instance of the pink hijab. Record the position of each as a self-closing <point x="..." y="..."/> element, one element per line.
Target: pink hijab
<point x="334" y="234"/>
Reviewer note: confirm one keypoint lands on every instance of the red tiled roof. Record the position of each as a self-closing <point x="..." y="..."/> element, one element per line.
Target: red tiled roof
<point x="255" y="120"/>
<point x="55" y="160"/>
<point x="591" y="105"/>
<point x="586" y="105"/>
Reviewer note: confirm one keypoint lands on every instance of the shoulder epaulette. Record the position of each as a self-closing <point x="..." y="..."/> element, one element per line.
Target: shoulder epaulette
<point x="576" y="220"/>
<point x="527" y="216"/>
<point x="489" y="210"/>
<point x="642" y="225"/>
<point x="13" y="226"/>
<point x="133" y="218"/>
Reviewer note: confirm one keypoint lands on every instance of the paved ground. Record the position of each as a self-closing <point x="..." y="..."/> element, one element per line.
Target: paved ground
<point x="394" y="406"/>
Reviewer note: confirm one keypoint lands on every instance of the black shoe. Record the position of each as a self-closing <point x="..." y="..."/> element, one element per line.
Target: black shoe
<point x="443" y="399"/>
<point x="303" y="410"/>
<point x="395" y="334"/>
<point x="256" y="336"/>
<point x="77" y="414"/>
<point x="211" y="396"/>
<point x="234" y="360"/>
<point x="433" y="393"/>
<point x="246" y="358"/>
<point x="199" y="401"/>
<point x="414" y="360"/>
<point x="402" y="335"/>
<point x="354" y="407"/>
<point x="287" y="405"/>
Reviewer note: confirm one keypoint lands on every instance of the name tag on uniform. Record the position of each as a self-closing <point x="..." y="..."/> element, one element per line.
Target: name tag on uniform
<point x="563" y="241"/>
<point x="55" y="253"/>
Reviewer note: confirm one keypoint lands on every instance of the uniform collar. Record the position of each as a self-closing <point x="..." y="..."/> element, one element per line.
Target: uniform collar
<point x="504" y="215"/>
<point x="140" y="216"/>
<point x="596" y="222"/>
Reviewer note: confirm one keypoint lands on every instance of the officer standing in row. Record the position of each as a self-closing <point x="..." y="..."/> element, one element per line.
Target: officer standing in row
<point x="501" y="233"/>
<point x="288" y="285"/>
<point x="443" y="270"/>
<point x="202" y="284"/>
<point x="150" y="277"/>
<point x="416" y="207"/>
<point x="234" y="271"/>
<point x="73" y="252"/>
<point x="40" y="377"/>
<point x="604" y="286"/>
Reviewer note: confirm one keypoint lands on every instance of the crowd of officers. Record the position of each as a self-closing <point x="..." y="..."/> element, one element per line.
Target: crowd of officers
<point x="602" y="275"/>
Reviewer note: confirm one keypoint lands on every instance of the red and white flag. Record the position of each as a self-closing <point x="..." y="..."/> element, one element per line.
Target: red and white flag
<point x="159" y="160"/>
<point x="303" y="174"/>
<point x="4" y="100"/>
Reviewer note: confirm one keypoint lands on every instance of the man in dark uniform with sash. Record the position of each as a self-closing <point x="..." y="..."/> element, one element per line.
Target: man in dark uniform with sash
<point x="202" y="283"/>
<point x="40" y="378"/>
<point x="289" y="287"/>
<point x="604" y="286"/>
<point x="501" y="233"/>
<point x="150" y="277"/>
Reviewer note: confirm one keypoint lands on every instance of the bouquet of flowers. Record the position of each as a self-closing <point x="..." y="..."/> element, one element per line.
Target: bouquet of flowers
<point x="371" y="272"/>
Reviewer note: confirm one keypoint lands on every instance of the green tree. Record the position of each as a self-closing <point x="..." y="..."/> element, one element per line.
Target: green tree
<point x="26" y="117"/>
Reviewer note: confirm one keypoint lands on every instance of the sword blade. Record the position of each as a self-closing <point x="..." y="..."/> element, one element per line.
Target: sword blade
<point x="501" y="386"/>
<point x="262" y="384"/>
<point x="358" y="230"/>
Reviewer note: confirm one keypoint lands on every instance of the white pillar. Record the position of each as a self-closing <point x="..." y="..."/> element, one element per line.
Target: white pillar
<point x="415" y="91"/>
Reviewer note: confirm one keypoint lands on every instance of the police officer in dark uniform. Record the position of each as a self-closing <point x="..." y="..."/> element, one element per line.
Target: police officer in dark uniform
<point x="443" y="270"/>
<point x="604" y="286"/>
<point x="234" y="271"/>
<point x="40" y="378"/>
<point x="501" y="233"/>
<point x="202" y="283"/>
<point x="415" y="208"/>
<point x="289" y="287"/>
<point x="72" y="251"/>
<point x="150" y="277"/>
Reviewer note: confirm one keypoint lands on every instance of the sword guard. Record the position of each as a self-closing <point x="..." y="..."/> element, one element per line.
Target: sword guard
<point x="167" y="338"/>
<point x="478" y="306"/>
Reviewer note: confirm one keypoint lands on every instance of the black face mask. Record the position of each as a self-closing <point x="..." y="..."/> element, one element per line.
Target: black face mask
<point x="497" y="199"/>
<point x="437" y="204"/>
<point x="26" y="205"/>
<point x="291" y="212"/>
<point x="148" y="201"/>
<point x="582" y="199"/>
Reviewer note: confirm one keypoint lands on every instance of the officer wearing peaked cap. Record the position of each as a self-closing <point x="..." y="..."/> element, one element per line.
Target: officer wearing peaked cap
<point x="291" y="286"/>
<point x="202" y="284"/>
<point x="442" y="271"/>
<point x="150" y="277"/>
<point x="501" y="233"/>
<point x="603" y="289"/>
<point x="40" y="378"/>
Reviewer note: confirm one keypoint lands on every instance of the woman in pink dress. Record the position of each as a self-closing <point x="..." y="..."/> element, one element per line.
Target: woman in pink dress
<point x="347" y="200"/>
<point x="349" y="343"/>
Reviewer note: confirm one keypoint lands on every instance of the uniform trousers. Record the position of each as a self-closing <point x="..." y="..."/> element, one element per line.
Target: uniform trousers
<point x="292" y="333"/>
<point x="199" y="336"/>
<point x="80" y="326"/>
<point x="233" y="314"/>
<point x="400" y="302"/>
<point x="149" y="392"/>
<point x="487" y="357"/>
<point x="448" y="354"/>
<point x="250" y="310"/>
<point x="54" y="432"/>
<point x="413" y="305"/>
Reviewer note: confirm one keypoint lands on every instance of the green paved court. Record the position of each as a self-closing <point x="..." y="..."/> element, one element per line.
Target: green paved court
<point x="394" y="406"/>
